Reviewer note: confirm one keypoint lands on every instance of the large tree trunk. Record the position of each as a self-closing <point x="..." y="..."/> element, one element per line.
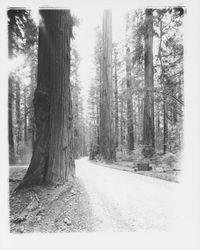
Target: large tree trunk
<point x="52" y="159"/>
<point x="61" y="162"/>
<point x="107" y="145"/>
<point x="148" y="121"/>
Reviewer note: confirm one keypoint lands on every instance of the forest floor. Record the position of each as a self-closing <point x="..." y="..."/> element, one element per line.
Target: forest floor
<point x="115" y="201"/>
<point x="48" y="208"/>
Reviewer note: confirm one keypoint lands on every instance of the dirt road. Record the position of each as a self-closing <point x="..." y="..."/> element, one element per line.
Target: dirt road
<point x="123" y="201"/>
<point x="101" y="199"/>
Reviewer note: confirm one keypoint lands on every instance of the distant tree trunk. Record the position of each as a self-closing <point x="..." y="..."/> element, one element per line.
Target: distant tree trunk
<point x="98" y="118"/>
<point x="165" y="126"/>
<point x="116" y="104"/>
<point x="25" y="119"/>
<point x="158" y="123"/>
<point x="130" y="131"/>
<point x="121" y="126"/>
<point x="101" y="112"/>
<point x="10" y="123"/>
<point x="107" y="146"/>
<point x="148" y="121"/>
<point x="52" y="159"/>
<point x="135" y="130"/>
<point x="140" y="118"/>
<point x="18" y="116"/>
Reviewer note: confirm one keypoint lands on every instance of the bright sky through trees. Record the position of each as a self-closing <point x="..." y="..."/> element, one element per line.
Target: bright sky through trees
<point x="85" y="41"/>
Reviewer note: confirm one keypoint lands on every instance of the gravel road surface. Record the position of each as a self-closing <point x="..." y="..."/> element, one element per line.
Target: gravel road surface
<point x="123" y="201"/>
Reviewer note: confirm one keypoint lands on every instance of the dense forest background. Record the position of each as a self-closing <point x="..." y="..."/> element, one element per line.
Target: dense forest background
<point x="128" y="64"/>
<point x="146" y="109"/>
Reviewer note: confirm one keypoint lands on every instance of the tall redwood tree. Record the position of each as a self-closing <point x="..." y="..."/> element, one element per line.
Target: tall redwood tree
<point x="148" y="124"/>
<point x="52" y="160"/>
<point x="107" y="140"/>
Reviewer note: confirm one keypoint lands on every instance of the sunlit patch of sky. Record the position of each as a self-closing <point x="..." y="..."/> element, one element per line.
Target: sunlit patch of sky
<point x="85" y="40"/>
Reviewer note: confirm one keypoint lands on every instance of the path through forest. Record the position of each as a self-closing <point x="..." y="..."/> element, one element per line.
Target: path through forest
<point x="123" y="201"/>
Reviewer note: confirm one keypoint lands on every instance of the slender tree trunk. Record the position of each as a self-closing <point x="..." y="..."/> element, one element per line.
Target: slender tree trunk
<point x="101" y="113"/>
<point x="121" y="126"/>
<point x="148" y="124"/>
<point x="107" y="147"/>
<point x="101" y="127"/>
<point x="165" y="126"/>
<point x="116" y="105"/>
<point x="10" y="102"/>
<point x="18" y="116"/>
<point x="98" y="120"/>
<point x="139" y="119"/>
<point x="10" y="123"/>
<point x="25" y="119"/>
<point x="135" y="130"/>
<point x="158" y="123"/>
<point x="52" y="159"/>
<point x="174" y="110"/>
<point x="130" y="130"/>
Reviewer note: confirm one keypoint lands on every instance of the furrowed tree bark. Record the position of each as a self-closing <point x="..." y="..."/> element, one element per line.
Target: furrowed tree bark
<point x="107" y="146"/>
<point x="52" y="161"/>
<point x="61" y="163"/>
<point x="148" y="121"/>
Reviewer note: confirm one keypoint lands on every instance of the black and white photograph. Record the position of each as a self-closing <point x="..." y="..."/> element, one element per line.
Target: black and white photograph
<point x="99" y="135"/>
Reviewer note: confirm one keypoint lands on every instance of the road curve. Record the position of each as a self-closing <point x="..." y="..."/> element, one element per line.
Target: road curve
<point x="123" y="201"/>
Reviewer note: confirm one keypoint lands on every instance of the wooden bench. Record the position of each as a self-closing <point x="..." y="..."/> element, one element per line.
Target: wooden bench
<point x="143" y="167"/>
